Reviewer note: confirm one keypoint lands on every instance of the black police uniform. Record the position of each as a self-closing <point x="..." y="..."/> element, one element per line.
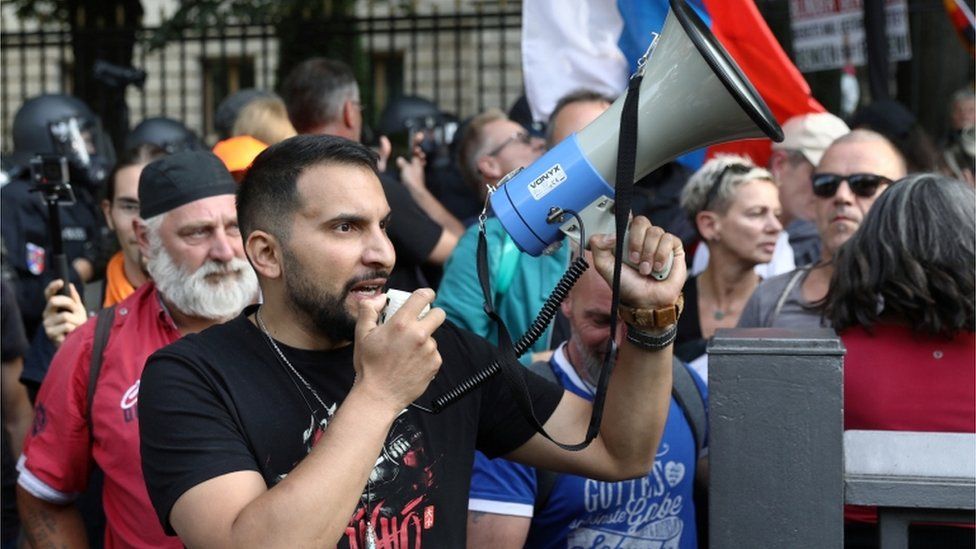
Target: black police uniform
<point x="24" y="229"/>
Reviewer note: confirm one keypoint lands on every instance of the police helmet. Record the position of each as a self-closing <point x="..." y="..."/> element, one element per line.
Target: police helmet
<point x="408" y="112"/>
<point x="57" y="124"/>
<point x="166" y="133"/>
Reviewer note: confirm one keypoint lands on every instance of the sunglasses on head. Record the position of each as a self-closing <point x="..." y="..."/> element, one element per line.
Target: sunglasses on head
<point x="733" y="168"/>
<point x="865" y="185"/>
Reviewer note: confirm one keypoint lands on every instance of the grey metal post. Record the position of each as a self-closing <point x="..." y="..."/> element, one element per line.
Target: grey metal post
<point x="776" y="439"/>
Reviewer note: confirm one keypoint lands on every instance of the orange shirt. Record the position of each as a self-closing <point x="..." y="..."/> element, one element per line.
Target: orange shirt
<point x="117" y="286"/>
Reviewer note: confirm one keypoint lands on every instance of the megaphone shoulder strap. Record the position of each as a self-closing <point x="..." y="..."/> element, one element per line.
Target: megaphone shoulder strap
<point x="512" y="371"/>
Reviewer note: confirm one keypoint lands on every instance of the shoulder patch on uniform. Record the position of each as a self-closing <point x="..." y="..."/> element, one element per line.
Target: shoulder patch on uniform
<point x="35" y="258"/>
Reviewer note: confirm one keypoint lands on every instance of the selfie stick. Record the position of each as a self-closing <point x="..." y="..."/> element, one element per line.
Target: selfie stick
<point x="51" y="179"/>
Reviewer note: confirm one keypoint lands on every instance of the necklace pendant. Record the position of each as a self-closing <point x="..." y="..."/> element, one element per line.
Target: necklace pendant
<point x="719" y="315"/>
<point x="370" y="536"/>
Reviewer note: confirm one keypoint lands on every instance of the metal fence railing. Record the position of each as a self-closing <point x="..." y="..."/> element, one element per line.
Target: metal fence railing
<point x="465" y="61"/>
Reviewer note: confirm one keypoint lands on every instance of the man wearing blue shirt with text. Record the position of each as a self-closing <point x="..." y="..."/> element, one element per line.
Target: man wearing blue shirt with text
<point x="513" y="505"/>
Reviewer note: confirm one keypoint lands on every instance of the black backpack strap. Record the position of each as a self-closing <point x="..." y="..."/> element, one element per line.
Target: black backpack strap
<point x="103" y="328"/>
<point x="544" y="479"/>
<point x="685" y="391"/>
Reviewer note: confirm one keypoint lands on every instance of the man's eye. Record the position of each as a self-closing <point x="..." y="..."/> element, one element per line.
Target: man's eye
<point x="344" y="227"/>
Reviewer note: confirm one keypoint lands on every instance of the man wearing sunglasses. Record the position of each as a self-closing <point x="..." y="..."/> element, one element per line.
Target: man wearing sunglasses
<point x="852" y="173"/>
<point x="805" y="139"/>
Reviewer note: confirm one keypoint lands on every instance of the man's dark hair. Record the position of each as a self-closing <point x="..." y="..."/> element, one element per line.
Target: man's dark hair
<point x="143" y="154"/>
<point x="578" y="96"/>
<point x="911" y="261"/>
<point x="315" y="90"/>
<point x="268" y="196"/>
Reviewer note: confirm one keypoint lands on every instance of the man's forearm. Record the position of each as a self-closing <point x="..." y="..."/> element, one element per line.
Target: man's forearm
<point x="312" y="506"/>
<point x="49" y="524"/>
<point x="636" y="409"/>
<point x="436" y="211"/>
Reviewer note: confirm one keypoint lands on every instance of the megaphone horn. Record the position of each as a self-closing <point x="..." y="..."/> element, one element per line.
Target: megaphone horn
<point x="693" y="95"/>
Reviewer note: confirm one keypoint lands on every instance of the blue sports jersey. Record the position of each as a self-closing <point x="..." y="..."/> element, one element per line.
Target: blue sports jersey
<point x="651" y="512"/>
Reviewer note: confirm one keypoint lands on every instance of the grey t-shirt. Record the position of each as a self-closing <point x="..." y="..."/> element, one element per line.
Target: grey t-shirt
<point x="795" y="312"/>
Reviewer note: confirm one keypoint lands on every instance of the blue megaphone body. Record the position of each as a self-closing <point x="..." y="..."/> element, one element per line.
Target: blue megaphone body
<point x="692" y="95"/>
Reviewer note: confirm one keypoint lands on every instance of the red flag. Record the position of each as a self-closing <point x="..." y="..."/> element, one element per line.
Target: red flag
<point x="739" y="26"/>
<point x="964" y="22"/>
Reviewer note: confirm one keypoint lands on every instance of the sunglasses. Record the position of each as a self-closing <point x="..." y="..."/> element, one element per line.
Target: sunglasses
<point x="520" y="137"/>
<point x="865" y="185"/>
<point x="734" y="169"/>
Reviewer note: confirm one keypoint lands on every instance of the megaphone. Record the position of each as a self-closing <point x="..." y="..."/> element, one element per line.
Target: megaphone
<point x="692" y="95"/>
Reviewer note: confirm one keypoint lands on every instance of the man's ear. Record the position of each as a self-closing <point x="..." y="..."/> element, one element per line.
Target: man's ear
<point x="264" y="251"/>
<point x="349" y="114"/>
<point x="107" y="212"/>
<point x="708" y="225"/>
<point x="142" y="236"/>
<point x="489" y="168"/>
<point x="777" y="161"/>
<point x="567" y="306"/>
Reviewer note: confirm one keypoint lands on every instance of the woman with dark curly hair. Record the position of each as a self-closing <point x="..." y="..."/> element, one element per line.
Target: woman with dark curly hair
<point x="902" y="299"/>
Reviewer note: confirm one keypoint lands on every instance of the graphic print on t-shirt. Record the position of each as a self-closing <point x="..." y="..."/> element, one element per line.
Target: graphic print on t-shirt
<point x="399" y="505"/>
<point x="397" y="497"/>
<point x="624" y="515"/>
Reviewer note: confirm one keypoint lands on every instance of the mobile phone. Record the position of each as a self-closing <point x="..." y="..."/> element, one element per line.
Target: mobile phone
<point x="394" y="300"/>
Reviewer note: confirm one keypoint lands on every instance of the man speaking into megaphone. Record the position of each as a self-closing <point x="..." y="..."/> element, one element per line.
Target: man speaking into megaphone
<point x="336" y="386"/>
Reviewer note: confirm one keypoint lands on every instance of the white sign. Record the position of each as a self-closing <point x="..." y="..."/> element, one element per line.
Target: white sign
<point x="829" y="34"/>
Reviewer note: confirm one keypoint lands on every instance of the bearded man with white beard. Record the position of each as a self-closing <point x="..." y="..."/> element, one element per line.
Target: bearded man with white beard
<point x="195" y="259"/>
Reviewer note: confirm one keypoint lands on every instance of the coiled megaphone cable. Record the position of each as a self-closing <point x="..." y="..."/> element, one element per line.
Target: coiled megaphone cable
<point x="508" y="364"/>
<point x="538" y="327"/>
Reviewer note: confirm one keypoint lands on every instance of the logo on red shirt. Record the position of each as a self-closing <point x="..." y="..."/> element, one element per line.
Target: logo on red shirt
<point x="129" y="401"/>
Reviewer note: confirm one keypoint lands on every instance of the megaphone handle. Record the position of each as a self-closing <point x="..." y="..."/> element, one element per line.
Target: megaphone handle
<point x="656" y="275"/>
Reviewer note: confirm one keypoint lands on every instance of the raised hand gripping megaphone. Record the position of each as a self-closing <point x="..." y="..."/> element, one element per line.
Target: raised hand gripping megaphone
<point x="692" y="95"/>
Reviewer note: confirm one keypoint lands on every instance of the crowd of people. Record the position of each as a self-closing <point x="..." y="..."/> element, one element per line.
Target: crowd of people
<point x="216" y="370"/>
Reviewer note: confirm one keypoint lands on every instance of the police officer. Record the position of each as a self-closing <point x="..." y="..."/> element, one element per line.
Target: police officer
<point x="52" y="125"/>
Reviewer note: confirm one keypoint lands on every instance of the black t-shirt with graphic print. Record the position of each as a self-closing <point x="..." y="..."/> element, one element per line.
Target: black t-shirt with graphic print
<point x="221" y="401"/>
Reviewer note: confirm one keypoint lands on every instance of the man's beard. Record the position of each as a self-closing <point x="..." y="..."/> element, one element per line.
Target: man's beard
<point x="592" y="361"/>
<point x="327" y="312"/>
<point x="192" y="294"/>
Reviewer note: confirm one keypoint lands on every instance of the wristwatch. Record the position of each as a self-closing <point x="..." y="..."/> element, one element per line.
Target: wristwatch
<point x="652" y="319"/>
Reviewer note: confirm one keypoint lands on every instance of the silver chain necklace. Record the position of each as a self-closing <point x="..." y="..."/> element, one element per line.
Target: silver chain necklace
<point x="287" y="364"/>
<point x="366" y="496"/>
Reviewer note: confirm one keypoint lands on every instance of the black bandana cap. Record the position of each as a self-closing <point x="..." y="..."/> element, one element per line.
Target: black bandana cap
<point x="181" y="178"/>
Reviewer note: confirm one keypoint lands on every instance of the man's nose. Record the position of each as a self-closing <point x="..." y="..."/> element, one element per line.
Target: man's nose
<point x="379" y="251"/>
<point x="221" y="247"/>
<point x="844" y="194"/>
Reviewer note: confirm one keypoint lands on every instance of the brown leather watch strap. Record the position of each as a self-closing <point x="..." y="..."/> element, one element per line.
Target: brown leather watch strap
<point x="653" y="319"/>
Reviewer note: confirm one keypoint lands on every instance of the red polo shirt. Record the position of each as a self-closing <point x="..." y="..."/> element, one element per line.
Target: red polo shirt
<point x="59" y="451"/>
